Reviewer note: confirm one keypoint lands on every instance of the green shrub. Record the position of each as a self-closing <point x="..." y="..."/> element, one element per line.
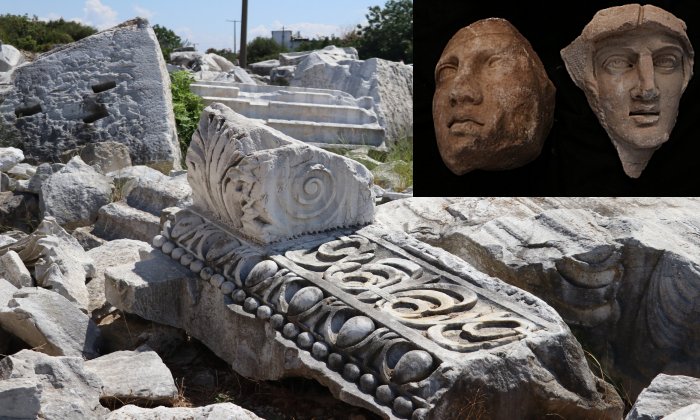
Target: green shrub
<point x="261" y="49"/>
<point x="187" y="107"/>
<point x="33" y="35"/>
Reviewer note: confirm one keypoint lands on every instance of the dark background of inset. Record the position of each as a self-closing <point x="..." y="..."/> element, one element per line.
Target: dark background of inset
<point x="578" y="158"/>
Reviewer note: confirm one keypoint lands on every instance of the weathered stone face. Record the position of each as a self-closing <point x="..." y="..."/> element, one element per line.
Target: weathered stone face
<point x="633" y="62"/>
<point x="493" y="103"/>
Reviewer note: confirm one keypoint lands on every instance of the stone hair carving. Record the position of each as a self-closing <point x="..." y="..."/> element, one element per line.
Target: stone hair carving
<point x="494" y="104"/>
<point x="633" y="63"/>
<point x="269" y="186"/>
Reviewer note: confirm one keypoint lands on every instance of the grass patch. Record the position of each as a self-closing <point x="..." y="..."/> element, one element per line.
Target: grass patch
<point x="187" y="106"/>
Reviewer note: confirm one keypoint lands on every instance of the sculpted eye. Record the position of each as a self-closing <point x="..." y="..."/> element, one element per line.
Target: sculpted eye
<point x="445" y="72"/>
<point x="618" y="63"/>
<point x="493" y="60"/>
<point x="666" y="61"/>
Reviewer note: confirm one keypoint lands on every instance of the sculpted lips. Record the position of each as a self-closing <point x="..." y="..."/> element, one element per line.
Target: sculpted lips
<point x="463" y="124"/>
<point x="645" y="114"/>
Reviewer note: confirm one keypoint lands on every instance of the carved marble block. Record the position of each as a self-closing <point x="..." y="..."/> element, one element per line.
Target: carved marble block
<point x="493" y="105"/>
<point x="384" y="321"/>
<point x="268" y="186"/>
<point x="633" y="62"/>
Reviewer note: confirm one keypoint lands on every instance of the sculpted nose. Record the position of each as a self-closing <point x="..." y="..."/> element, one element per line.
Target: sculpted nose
<point x="646" y="89"/>
<point x="466" y="89"/>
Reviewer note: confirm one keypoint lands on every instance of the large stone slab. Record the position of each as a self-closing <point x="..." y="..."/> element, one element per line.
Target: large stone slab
<point x="111" y="86"/>
<point x="210" y="412"/>
<point x="134" y="376"/>
<point x="50" y="323"/>
<point x="665" y="395"/>
<point x="13" y="270"/>
<point x="622" y="271"/>
<point x="390" y="84"/>
<point x="34" y="385"/>
<point x="386" y="322"/>
<point x="269" y="186"/>
<point x="119" y="220"/>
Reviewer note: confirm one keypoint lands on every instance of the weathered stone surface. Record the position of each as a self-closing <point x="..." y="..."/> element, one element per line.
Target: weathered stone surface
<point x="330" y="52"/>
<point x="110" y="254"/>
<point x="58" y="261"/>
<point x="184" y="59"/>
<point x="18" y="210"/>
<point x="690" y="412"/>
<point x="664" y="395"/>
<point x="263" y="68"/>
<point x="7" y="289"/>
<point x="13" y="270"/>
<point x="106" y="156"/>
<point x="33" y="184"/>
<point x="111" y="86"/>
<point x="74" y="194"/>
<point x="9" y="157"/>
<point x="153" y="195"/>
<point x="22" y="171"/>
<point x="119" y="220"/>
<point x="494" y="104"/>
<point x="215" y="62"/>
<point x="210" y="412"/>
<point x="19" y="398"/>
<point x="637" y="111"/>
<point x="622" y="271"/>
<point x="134" y="376"/>
<point x="10" y="57"/>
<point x="269" y="186"/>
<point x="374" y="314"/>
<point x="390" y="85"/>
<point x="48" y="387"/>
<point x="50" y="323"/>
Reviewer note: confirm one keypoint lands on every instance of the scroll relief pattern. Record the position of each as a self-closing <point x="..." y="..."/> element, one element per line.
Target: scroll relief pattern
<point x="268" y="186"/>
<point x="357" y="343"/>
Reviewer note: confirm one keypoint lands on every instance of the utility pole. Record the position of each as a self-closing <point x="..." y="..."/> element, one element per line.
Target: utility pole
<point x="282" y="36"/>
<point x="244" y="29"/>
<point x="234" y="33"/>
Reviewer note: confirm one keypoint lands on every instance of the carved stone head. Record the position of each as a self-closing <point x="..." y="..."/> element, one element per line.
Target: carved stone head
<point x="493" y="104"/>
<point x="633" y="62"/>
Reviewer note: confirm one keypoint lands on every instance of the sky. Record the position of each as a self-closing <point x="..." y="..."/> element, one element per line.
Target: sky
<point x="205" y="23"/>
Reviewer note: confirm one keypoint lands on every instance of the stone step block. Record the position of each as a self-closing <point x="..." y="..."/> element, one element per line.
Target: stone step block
<point x="331" y="134"/>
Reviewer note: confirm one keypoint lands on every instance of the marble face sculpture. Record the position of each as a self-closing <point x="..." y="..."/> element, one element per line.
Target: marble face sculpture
<point x="493" y="104"/>
<point x="633" y="62"/>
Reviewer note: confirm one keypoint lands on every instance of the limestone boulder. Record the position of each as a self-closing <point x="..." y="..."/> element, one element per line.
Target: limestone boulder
<point x="13" y="270"/>
<point x="75" y="194"/>
<point x="184" y="59"/>
<point x="263" y="68"/>
<point x="10" y="57"/>
<point x="34" y="385"/>
<point x="331" y="52"/>
<point x="209" y="412"/>
<point x="7" y="289"/>
<point x="118" y="220"/>
<point x="50" y="323"/>
<point x="106" y="156"/>
<point x="390" y="84"/>
<point x="33" y="184"/>
<point x="111" y="86"/>
<point x="619" y="270"/>
<point x="152" y="195"/>
<point x="108" y="255"/>
<point x="665" y="395"/>
<point x="690" y="412"/>
<point x="134" y="376"/>
<point x="22" y="171"/>
<point x="9" y="157"/>
<point x="214" y="62"/>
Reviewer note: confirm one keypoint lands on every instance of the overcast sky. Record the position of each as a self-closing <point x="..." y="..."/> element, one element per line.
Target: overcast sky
<point x="205" y="23"/>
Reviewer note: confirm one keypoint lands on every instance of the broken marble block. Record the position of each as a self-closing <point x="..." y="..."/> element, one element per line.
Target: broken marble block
<point x="134" y="376"/>
<point x="219" y="411"/>
<point x="269" y="186"/>
<point x="50" y="323"/>
<point x="387" y="323"/>
<point x="110" y="86"/>
<point x="36" y="386"/>
<point x="13" y="270"/>
<point x="665" y="395"/>
<point x="622" y="272"/>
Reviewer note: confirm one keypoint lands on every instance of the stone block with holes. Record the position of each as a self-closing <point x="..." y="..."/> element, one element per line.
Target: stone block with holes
<point x="277" y="267"/>
<point x="111" y="86"/>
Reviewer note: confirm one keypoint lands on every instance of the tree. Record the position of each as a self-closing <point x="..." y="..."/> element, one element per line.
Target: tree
<point x="168" y="40"/>
<point x="31" y="34"/>
<point x="261" y="49"/>
<point x="389" y="32"/>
